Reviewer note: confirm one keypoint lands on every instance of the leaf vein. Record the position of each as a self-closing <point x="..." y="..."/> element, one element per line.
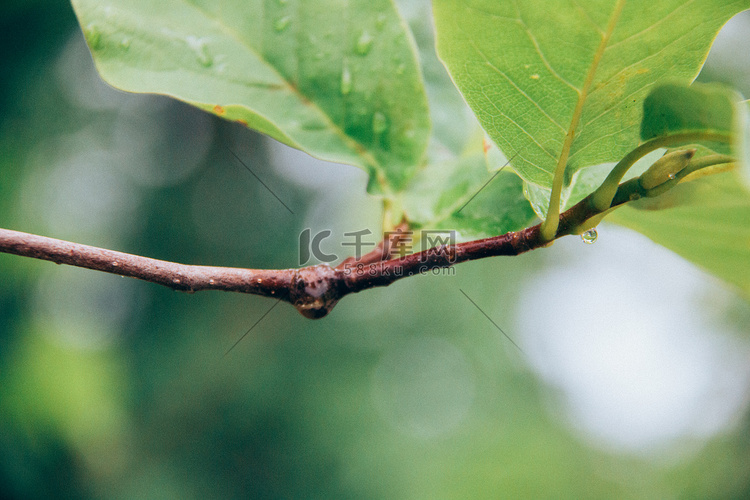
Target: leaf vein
<point x="587" y="16"/>
<point x="653" y="26"/>
<point x="520" y="91"/>
<point x="545" y="61"/>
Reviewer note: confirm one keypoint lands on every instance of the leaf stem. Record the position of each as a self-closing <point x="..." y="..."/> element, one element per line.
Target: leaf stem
<point x="602" y="198"/>
<point x="549" y="226"/>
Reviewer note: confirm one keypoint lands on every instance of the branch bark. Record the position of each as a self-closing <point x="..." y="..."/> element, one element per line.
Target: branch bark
<point x="313" y="290"/>
<point x="182" y="277"/>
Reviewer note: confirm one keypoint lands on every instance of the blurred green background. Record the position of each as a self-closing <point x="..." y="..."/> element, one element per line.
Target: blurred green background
<point x="633" y="381"/>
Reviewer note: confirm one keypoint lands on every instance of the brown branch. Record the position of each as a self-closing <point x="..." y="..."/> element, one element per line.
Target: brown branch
<point x="382" y="251"/>
<point x="313" y="290"/>
<point x="186" y="278"/>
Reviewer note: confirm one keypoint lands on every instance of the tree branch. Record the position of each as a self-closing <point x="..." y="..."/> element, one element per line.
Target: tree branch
<point x="383" y="249"/>
<point x="315" y="290"/>
<point x="186" y="278"/>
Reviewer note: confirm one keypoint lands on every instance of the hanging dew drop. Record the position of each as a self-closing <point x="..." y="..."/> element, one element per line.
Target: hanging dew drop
<point x="281" y="24"/>
<point x="672" y="176"/>
<point x="589" y="237"/>
<point x="364" y="43"/>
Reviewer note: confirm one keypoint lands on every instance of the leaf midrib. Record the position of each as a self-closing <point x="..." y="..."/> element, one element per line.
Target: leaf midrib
<point x="584" y="92"/>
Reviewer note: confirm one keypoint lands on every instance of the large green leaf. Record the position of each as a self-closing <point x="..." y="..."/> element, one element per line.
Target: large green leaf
<point x="544" y="76"/>
<point x="706" y="221"/>
<point x="675" y="108"/>
<point x="338" y="79"/>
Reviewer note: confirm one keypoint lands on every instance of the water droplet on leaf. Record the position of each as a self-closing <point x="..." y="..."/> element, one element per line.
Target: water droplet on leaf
<point x="346" y="80"/>
<point x="281" y="24"/>
<point x="672" y="176"/>
<point x="364" y="43"/>
<point x="589" y="237"/>
<point x="380" y="21"/>
<point x="313" y="124"/>
<point x="205" y="59"/>
<point x="93" y="36"/>
<point x="198" y="45"/>
<point x="379" y="123"/>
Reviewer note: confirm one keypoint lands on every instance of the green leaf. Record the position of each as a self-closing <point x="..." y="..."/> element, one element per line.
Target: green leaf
<point x="546" y="76"/>
<point x="667" y="110"/>
<point x="706" y="221"/>
<point x="676" y="108"/>
<point x="337" y="79"/>
<point x="453" y="122"/>
<point x="462" y="195"/>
